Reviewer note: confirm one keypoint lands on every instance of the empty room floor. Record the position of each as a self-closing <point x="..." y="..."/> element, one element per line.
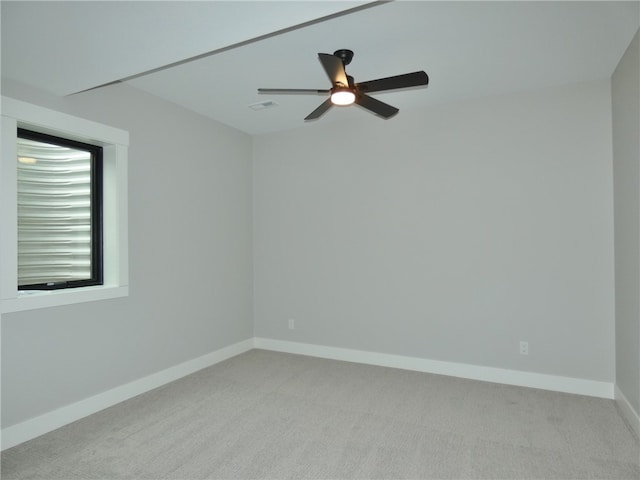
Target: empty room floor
<point x="264" y="414"/>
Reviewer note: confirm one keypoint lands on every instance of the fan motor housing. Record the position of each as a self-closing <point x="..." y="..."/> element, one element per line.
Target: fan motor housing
<point x="345" y="55"/>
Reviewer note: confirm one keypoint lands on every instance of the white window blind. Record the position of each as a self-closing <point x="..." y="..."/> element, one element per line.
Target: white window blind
<point x="55" y="242"/>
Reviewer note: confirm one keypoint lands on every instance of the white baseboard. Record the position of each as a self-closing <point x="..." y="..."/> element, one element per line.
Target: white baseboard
<point x="47" y="422"/>
<point x="556" y="383"/>
<point x="630" y="415"/>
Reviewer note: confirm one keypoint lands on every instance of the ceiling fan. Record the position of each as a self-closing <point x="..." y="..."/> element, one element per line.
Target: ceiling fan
<point x="344" y="91"/>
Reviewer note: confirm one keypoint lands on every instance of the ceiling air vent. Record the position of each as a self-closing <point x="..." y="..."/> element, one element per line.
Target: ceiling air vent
<point x="263" y="105"/>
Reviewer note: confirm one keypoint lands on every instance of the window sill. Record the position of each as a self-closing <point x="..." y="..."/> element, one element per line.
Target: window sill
<point x="34" y="299"/>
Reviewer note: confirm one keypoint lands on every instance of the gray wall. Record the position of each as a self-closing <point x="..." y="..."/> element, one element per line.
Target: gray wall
<point x="449" y="233"/>
<point x="626" y="168"/>
<point x="190" y="261"/>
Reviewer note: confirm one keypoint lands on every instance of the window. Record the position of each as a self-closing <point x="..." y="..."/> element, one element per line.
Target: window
<point x="83" y="258"/>
<point x="59" y="212"/>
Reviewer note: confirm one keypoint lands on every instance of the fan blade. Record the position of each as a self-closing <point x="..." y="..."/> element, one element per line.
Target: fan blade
<point x="376" y="106"/>
<point x="324" y="106"/>
<point x="391" y="83"/>
<point x="334" y="68"/>
<point x="291" y="90"/>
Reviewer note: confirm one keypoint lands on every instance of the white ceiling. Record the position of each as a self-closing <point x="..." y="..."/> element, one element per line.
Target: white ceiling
<point x="469" y="49"/>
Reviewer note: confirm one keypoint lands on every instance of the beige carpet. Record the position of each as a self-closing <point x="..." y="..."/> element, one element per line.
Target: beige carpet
<point x="272" y="415"/>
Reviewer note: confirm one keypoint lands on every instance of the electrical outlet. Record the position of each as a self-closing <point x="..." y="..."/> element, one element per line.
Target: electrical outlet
<point x="524" y="348"/>
<point x="292" y="324"/>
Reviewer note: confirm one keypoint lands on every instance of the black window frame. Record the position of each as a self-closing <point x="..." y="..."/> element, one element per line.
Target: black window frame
<point x="97" y="244"/>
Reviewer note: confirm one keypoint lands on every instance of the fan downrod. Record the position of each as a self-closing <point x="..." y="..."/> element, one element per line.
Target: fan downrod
<point x="345" y="55"/>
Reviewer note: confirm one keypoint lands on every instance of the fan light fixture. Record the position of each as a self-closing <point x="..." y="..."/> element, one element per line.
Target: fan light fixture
<point x="342" y="96"/>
